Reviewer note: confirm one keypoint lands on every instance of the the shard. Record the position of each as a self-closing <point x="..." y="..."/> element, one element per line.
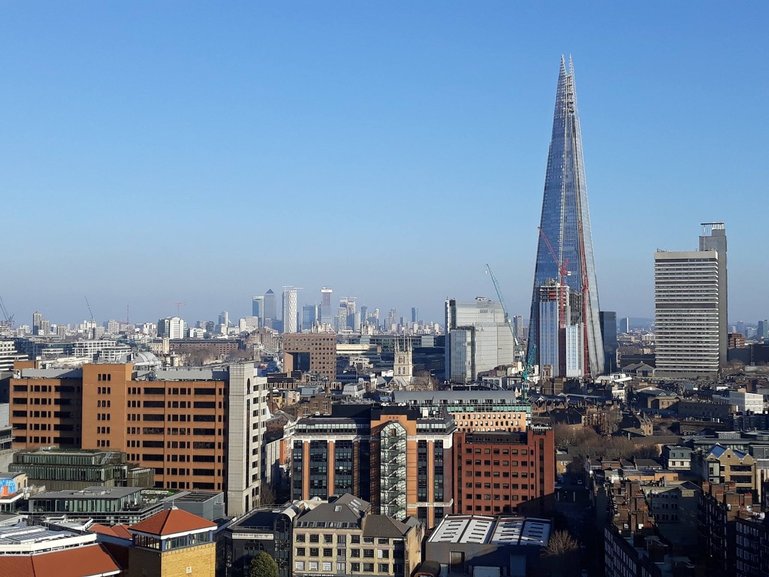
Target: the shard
<point x="564" y="326"/>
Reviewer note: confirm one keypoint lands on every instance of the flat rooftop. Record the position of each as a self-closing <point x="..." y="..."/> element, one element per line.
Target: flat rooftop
<point x="89" y="493"/>
<point x="501" y="530"/>
<point x="21" y="536"/>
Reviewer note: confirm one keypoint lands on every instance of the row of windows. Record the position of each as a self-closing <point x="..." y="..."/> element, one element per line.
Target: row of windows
<point x="45" y="389"/>
<point x="496" y="497"/>
<point x="172" y="391"/>
<point x="503" y="474"/>
<point x="488" y="462"/>
<point x="505" y="486"/>
<point x="325" y="566"/>
<point x="470" y="451"/>
<point x="329" y="538"/>
<point x="68" y="441"/>
<point x="42" y="414"/>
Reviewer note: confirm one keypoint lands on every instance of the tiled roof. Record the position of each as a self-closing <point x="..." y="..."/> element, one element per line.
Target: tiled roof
<point x="171" y="522"/>
<point x="88" y="561"/>
<point x="119" y="531"/>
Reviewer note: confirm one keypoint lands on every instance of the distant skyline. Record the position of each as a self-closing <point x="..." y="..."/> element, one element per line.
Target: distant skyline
<point x="202" y="153"/>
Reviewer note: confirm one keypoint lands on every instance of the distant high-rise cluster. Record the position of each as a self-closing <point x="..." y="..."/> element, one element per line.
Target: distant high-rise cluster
<point x="564" y="327"/>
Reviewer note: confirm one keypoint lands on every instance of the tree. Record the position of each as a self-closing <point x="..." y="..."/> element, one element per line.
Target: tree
<point x="561" y="542"/>
<point x="561" y="556"/>
<point x="263" y="565"/>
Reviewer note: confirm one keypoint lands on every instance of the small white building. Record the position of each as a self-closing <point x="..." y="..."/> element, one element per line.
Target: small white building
<point x="743" y="402"/>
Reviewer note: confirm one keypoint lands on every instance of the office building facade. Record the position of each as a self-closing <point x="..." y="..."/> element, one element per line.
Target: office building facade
<point x="270" y="309"/>
<point x="478" y="339"/>
<point x="393" y="457"/>
<point x="326" y="313"/>
<point x="687" y="294"/>
<point x="313" y="353"/>
<point x="610" y="345"/>
<point x="713" y="237"/>
<point x="498" y="472"/>
<point x="196" y="428"/>
<point x="290" y="310"/>
<point x="565" y="249"/>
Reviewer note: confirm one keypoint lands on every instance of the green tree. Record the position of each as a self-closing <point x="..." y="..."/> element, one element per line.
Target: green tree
<point x="263" y="565"/>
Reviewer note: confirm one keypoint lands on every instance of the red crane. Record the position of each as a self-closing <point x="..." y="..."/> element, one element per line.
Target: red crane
<point x="562" y="273"/>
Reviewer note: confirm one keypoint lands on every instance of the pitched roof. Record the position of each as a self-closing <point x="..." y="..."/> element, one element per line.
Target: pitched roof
<point x="383" y="526"/>
<point x="346" y="509"/>
<point x="119" y="531"/>
<point x="87" y="561"/>
<point x="172" y="522"/>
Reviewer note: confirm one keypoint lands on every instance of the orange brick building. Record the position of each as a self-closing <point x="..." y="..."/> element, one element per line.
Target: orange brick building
<point x="198" y="428"/>
<point x="497" y="472"/>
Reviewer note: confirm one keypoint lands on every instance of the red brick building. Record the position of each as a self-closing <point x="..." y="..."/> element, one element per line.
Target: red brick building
<point x="497" y="472"/>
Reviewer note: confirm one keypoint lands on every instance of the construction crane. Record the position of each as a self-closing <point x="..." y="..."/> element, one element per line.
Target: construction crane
<point x="92" y="330"/>
<point x="508" y="320"/>
<point x="7" y="319"/>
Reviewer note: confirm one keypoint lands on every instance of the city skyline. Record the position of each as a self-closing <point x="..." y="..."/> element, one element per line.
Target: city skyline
<point x="277" y="123"/>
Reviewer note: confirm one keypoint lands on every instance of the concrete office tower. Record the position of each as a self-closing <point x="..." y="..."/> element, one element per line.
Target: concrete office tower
<point x="713" y="237"/>
<point x="270" y="310"/>
<point x="687" y="311"/>
<point x="414" y="314"/>
<point x="326" y="313"/>
<point x="290" y="310"/>
<point x="478" y="339"/>
<point x="37" y="321"/>
<point x="565" y="249"/>
<point x="172" y="328"/>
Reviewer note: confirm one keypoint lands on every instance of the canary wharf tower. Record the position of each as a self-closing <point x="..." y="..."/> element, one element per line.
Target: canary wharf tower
<point x="564" y="328"/>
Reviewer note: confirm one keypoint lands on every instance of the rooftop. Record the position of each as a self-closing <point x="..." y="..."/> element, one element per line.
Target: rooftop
<point x="171" y="522"/>
<point x="90" y="493"/>
<point x="75" y="562"/>
<point x="483" y="530"/>
<point x="345" y="512"/>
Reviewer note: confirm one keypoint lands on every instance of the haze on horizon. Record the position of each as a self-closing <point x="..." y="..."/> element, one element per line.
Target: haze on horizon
<point x="202" y="153"/>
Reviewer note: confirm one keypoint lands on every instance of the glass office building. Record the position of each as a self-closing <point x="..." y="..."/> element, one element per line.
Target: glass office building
<point x="565" y="250"/>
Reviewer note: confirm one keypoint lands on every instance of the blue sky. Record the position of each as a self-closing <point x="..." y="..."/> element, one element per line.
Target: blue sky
<point x="162" y="152"/>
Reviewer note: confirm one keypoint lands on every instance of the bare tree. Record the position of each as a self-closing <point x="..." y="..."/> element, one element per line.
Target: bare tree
<point x="561" y="556"/>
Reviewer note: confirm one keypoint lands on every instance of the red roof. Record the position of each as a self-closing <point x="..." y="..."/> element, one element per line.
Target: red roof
<point x="119" y="531"/>
<point x="171" y="522"/>
<point x="86" y="561"/>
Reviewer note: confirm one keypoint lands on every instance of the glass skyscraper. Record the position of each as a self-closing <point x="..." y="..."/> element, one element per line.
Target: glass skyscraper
<point x="564" y="266"/>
